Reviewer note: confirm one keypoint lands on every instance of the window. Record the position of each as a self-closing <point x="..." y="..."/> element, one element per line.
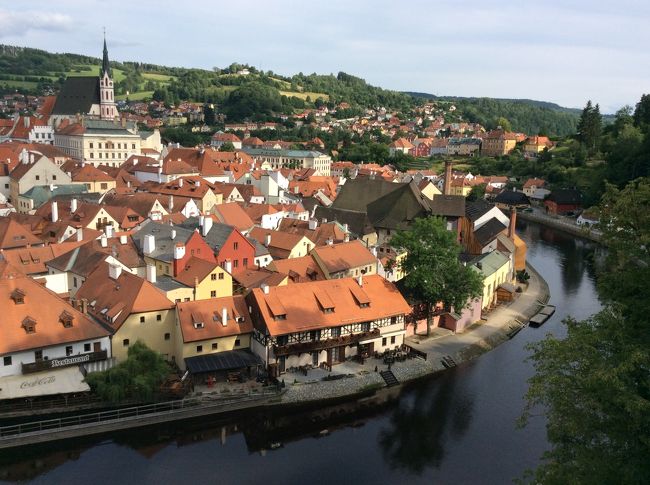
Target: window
<point x="142" y="319"/>
<point x="186" y="299"/>
<point x="159" y="317"/>
<point x="365" y="327"/>
<point x="38" y="177"/>
<point x="177" y="300"/>
<point x="237" y="342"/>
<point x="53" y="177"/>
<point x="38" y="355"/>
<point x="125" y="342"/>
<point x="86" y="347"/>
<point x="393" y="320"/>
<point x="213" y="277"/>
<point x="99" y="145"/>
<point x="167" y="336"/>
<point x="235" y="246"/>
<point x="90" y="145"/>
<point x="213" y="294"/>
<point x="215" y="345"/>
<point x="383" y="342"/>
<point x="103" y="185"/>
<point x="132" y="146"/>
<point x="68" y="350"/>
<point x="336" y="332"/>
<point x="7" y="360"/>
<point x="392" y="339"/>
<point x="245" y="262"/>
<point x="199" y="349"/>
<point x="220" y="276"/>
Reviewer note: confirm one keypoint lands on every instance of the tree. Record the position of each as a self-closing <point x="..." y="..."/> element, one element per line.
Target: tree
<point x="590" y="127"/>
<point x="433" y="271"/>
<point x="208" y="114"/>
<point x="595" y="384"/>
<point x="477" y="192"/>
<point x="227" y="147"/>
<point x="138" y="377"/>
<point x="503" y="123"/>
<point x="642" y="113"/>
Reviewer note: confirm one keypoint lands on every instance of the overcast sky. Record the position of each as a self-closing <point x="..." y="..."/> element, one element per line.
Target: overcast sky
<point x="564" y="51"/>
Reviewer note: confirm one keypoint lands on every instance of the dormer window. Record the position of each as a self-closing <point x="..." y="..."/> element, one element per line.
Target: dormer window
<point x="18" y="296"/>
<point x="198" y="325"/>
<point x="29" y="324"/>
<point x="66" y="319"/>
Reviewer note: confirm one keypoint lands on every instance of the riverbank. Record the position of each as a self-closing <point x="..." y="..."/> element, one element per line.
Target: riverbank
<point x="479" y="338"/>
<point x="563" y="224"/>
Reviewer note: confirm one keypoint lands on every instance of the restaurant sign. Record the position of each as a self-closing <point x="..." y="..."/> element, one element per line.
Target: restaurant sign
<point x="64" y="361"/>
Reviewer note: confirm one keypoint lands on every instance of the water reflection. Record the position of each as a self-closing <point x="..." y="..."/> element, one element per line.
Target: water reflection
<point x="423" y="422"/>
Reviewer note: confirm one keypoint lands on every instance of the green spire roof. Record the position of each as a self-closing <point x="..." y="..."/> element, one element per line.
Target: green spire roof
<point x="106" y="68"/>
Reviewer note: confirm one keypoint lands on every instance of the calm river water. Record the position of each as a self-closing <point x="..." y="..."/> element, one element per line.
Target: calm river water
<point x="458" y="427"/>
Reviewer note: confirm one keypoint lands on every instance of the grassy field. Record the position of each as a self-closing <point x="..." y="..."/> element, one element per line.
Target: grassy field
<point x="18" y="84"/>
<point x="118" y="74"/>
<point x="139" y="96"/>
<point x="163" y="78"/>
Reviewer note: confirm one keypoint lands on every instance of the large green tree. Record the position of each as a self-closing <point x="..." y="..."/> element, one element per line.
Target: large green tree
<point x="433" y="270"/>
<point x="590" y="127"/>
<point x="594" y="385"/>
<point x="138" y="377"/>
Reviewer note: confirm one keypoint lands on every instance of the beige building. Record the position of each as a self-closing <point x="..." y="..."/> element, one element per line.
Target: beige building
<point x="344" y="260"/>
<point x="102" y="142"/>
<point x="293" y="159"/>
<point x="34" y="170"/>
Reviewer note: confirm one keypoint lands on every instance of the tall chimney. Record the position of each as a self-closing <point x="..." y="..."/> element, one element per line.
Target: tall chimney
<point x="513" y="223"/>
<point x="55" y="211"/>
<point x="73" y="205"/>
<point x="267" y="240"/>
<point x="114" y="271"/>
<point x="447" y="187"/>
<point x="149" y="244"/>
<point x="207" y="225"/>
<point x="224" y="316"/>
<point x="179" y="254"/>
<point x="151" y="273"/>
<point x="103" y="240"/>
<point x="265" y="288"/>
<point x="228" y="266"/>
<point x="80" y="234"/>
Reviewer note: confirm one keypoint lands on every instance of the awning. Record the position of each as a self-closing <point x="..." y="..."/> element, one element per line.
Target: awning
<point x="59" y="381"/>
<point x="222" y="361"/>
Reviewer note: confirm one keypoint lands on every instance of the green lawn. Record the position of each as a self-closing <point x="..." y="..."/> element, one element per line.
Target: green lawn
<point x="164" y="78"/>
<point x="313" y="96"/>
<point x="139" y="96"/>
<point x="118" y="74"/>
<point x="18" y="84"/>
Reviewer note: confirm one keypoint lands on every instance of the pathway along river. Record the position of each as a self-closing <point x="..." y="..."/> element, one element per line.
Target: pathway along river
<point x="457" y="427"/>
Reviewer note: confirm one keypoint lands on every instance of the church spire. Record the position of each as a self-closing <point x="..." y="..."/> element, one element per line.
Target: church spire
<point x="106" y="68"/>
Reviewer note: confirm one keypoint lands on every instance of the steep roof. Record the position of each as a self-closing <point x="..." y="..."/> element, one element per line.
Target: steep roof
<point x="232" y="214"/>
<point x="299" y="309"/>
<point x="44" y="308"/>
<point x="477" y="208"/>
<point x="510" y="197"/>
<point x="77" y="95"/>
<point x="357" y="193"/>
<point x="343" y="256"/>
<point x="299" y="269"/>
<point x="566" y="196"/>
<point x="33" y="260"/>
<point x="397" y="209"/>
<point x="489" y="262"/>
<point x="210" y="313"/>
<point x="112" y="301"/>
<point x="358" y="222"/>
<point x="489" y="231"/>
<point x="195" y="268"/>
<point x="15" y="235"/>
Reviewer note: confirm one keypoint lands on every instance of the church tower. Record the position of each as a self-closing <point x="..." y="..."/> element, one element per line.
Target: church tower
<point x="107" y="108"/>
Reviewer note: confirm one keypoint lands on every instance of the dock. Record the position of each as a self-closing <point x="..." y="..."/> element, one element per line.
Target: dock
<point x="541" y="316"/>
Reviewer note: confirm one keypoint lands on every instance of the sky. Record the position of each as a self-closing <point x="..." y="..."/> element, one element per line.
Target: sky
<point x="563" y="51"/>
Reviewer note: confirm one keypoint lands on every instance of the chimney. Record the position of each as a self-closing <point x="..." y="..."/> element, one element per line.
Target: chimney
<point x="55" y="211"/>
<point x="513" y="223"/>
<point x="373" y="250"/>
<point x="31" y="158"/>
<point x="135" y="162"/>
<point x="114" y="271"/>
<point x="179" y="254"/>
<point x="84" y="306"/>
<point x="360" y="280"/>
<point x="26" y="120"/>
<point x="330" y="241"/>
<point x="80" y="234"/>
<point x="172" y="234"/>
<point x="171" y="203"/>
<point x="207" y="225"/>
<point x="228" y="266"/>
<point x="267" y="240"/>
<point x="103" y="240"/>
<point x="447" y="187"/>
<point x="265" y="288"/>
<point x="109" y="231"/>
<point x="151" y="273"/>
<point x="224" y="316"/>
<point x="197" y="183"/>
<point x="123" y="239"/>
<point x="296" y="189"/>
<point x="160" y="175"/>
<point x="74" y="203"/>
<point x="313" y="224"/>
<point x="149" y="244"/>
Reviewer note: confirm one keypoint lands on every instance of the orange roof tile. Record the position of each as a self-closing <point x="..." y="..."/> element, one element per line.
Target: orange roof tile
<point x="210" y="313"/>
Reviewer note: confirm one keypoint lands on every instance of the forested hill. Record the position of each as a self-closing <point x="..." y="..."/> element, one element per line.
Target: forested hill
<point x="242" y="91"/>
<point x="525" y="115"/>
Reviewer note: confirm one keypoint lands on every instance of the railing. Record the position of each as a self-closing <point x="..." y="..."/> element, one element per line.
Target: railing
<point x="130" y="413"/>
<point x="416" y="352"/>
<point x="329" y="343"/>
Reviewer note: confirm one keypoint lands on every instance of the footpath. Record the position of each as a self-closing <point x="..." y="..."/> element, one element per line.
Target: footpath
<point x="479" y="338"/>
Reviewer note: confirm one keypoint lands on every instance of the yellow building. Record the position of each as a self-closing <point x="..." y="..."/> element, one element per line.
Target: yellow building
<point x="496" y="268"/>
<point x="211" y="326"/>
<point x="498" y="143"/>
<point x="132" y="307"/>
<point x="208" y="280"/>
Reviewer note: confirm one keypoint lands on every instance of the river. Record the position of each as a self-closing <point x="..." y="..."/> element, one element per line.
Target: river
<point x="456" y="427"/>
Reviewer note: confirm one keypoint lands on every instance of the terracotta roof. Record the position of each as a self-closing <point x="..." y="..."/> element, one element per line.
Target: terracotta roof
<point x="296" y="308"/>
<point x="539" y="183"/>
<point x="195" y="268"/>
<point x="401" y="143"/>
<point x="299" y="269"/>
<point x="32" y="260"/>
<point x="319" y="236"/>
<point x="281" y="242"/>
<point x="15" y="235"/>
<point x="254" y="278"/>
<point x="43" y="307"/>
<point x="343" y="256"/>
<point x="88" y="173"/>
<point x="120" y="298"/>
<point x="233" y="214"/>
<point x="210" y="313"/>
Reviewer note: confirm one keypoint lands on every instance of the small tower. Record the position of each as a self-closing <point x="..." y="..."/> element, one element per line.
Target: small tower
<point x="107" y="108"/>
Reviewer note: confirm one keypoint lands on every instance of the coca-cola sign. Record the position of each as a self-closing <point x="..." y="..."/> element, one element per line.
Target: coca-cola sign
<point x="40" y="381"/>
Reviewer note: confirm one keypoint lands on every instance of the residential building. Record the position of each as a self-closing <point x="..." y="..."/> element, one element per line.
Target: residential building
<point x="563" y="201"/>
<point x="496" y="269"/>
<point x="498" y="143"/>
<point x="293" y="159"/>
<point x="345" y="260"/>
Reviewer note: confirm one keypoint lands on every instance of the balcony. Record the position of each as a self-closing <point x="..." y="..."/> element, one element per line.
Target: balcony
<point x="70" y="360"/>
<point x="330" y="343"/>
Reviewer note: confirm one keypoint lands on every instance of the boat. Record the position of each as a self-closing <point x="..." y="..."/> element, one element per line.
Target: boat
<point x="541" y="316"/>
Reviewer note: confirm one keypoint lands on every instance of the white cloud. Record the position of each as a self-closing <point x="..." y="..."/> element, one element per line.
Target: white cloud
<point x="20" y="23"/>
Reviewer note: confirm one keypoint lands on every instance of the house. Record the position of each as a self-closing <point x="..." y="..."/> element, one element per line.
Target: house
<point x="228" y="244"/>
<point x="250" y="278"/>
<point x="509" y="198"/>
<point x="495" y="268"/>
<point x="498" y="143"/>
<point x="589" y="217"/>
<point x="132" y="308"/>
<point x="211" y="337"/>
<point x="207" y="279"/>
<point x="322" y="323"/>
<point x="15" y="235"/>
<point x="467" y="147"/>
<point x="299" y="270"/>
<point x="92" y="178"/>
<point x="220" y="138"/>
<point x="357" y="222"/>
<point x="148" y="206"/>
<point x="534" y="145"/>
<point x="232" y="214"/>
<point x="535" y="189"/>
<point x="170" y="247"/>
<point x="401" y="145"/>
<point x="563" y="201"/>
<point x="42" y="333"/>
<point x="204" y="193"/>
<point x="344" y="260"/>
<point x="482" y="223"/>
<point x="319" y="234"/>
<point x="292" y="159"/>
<point x="33" y="170"/>
<point x="282" y="245"/>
